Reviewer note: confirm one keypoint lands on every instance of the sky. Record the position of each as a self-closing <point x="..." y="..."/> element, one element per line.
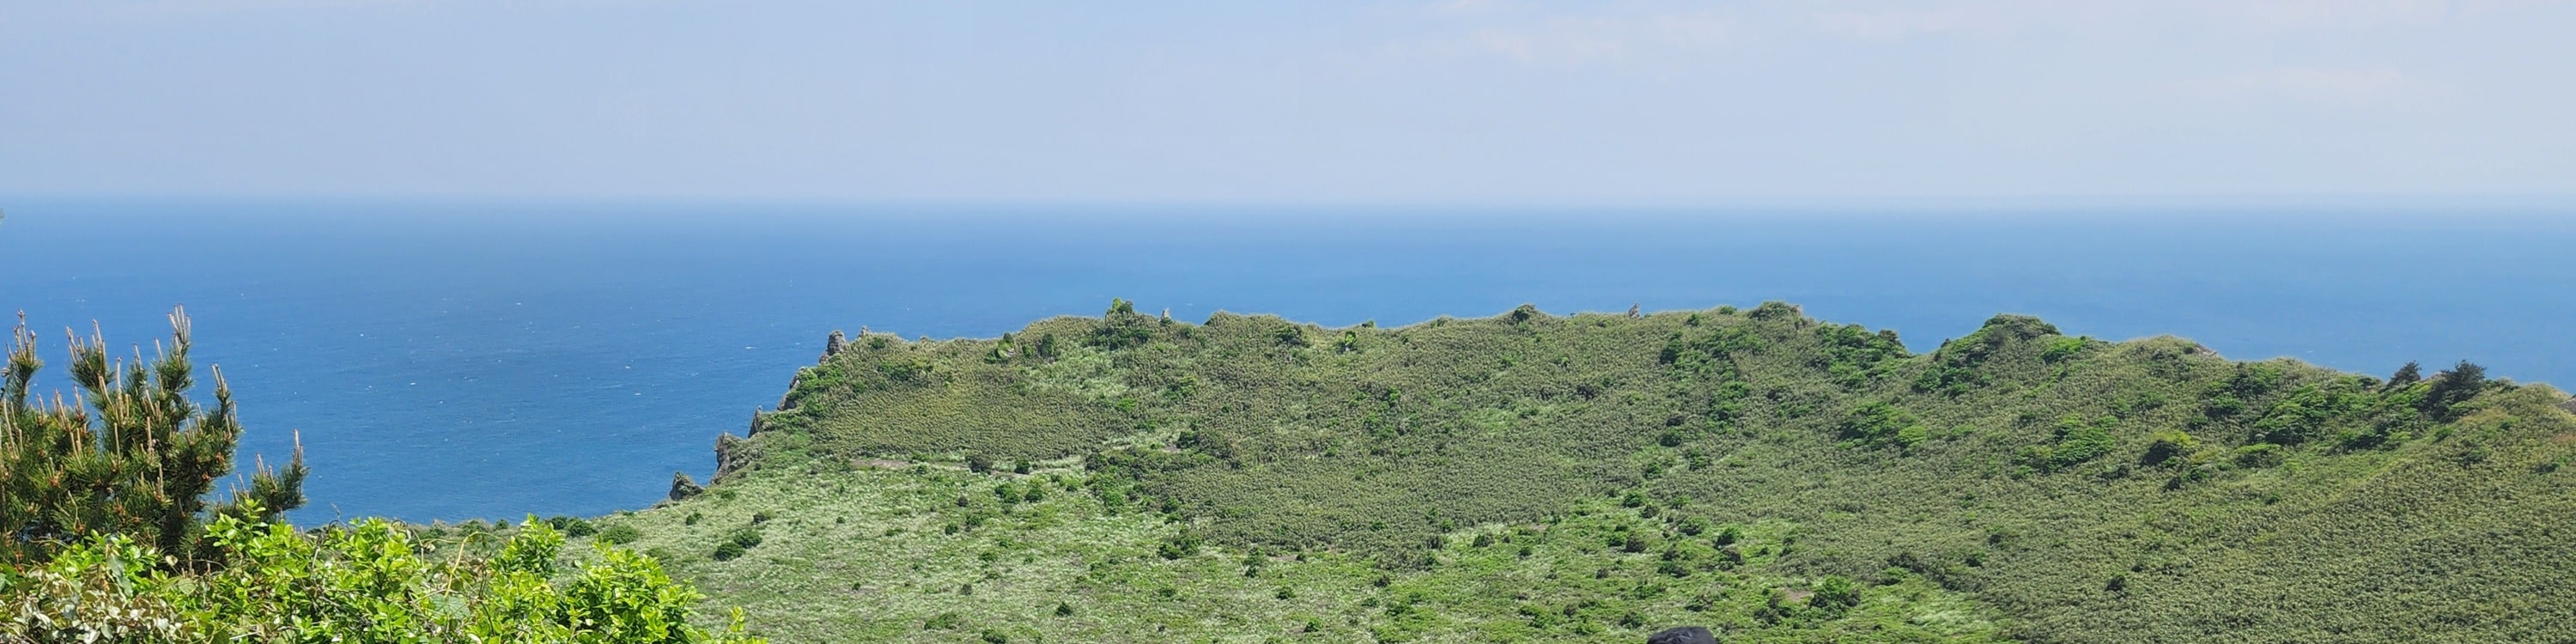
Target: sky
<point x="1315" y="102"/>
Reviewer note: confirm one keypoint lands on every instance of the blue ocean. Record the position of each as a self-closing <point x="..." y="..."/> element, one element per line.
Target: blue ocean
<point x="458" y="360"/>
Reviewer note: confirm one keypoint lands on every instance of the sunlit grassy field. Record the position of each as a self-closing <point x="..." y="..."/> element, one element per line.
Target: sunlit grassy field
<point x="1595" y="477"/>
<point x="869" y="555"/>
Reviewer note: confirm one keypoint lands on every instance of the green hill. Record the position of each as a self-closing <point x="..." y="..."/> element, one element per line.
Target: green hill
<point x="1531" y="477"/>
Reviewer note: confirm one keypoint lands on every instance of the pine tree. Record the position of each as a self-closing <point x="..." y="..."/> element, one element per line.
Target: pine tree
<point x="2450" y="388"/>
<point x="2406" y="375"/>
<point x="130" y="453"/>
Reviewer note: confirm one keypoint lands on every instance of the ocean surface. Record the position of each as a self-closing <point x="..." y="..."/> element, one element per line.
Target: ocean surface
<point x="460" y="360"/>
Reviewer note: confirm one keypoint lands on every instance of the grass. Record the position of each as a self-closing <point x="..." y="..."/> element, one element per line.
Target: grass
<point x="869" y="555"/>
<point x="2014" y="484"/>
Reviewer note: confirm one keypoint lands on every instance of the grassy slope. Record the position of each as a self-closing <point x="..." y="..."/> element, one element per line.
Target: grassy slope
<point x="868" y="555"/>
<point x="2076" y="490"/>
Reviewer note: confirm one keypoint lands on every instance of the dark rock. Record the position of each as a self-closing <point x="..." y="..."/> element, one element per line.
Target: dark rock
<point x="1683" y="635"/>
<point x="682" y="488"/>
<point x="832" y="345"/>
<point x="732" y="455"/>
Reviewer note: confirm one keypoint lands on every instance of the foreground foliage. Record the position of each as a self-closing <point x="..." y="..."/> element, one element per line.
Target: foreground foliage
<point x="106" y="536"/>
<point x="131" y="454"/>
<point x="369" y="582"/>
<point x="2065" y="489"/>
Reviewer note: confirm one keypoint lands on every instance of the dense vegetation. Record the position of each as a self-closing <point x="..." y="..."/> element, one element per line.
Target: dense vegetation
<point x="368" y="582"/>
<point x="107" y="537"/>
<point x="940" y="554"/>
<point x="1779" y="477"/>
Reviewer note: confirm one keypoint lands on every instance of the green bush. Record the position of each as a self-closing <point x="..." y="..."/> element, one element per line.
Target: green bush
<point x="1834" y="596"/>
<point x="736" y="543"/>
<point x="366" y="582"/>
<point x="574" y="527"/>
<point x="1878" y="423"/>
<point x="943" y="622"/>
<point x="2075" y="442"/>
<point x="2167" y="445"/>
<point x="620" y="534"/>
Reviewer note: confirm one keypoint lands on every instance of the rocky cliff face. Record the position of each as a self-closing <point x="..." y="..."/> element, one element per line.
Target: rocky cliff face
<point x="732" y="455"/>
<point x="682" y="488"/>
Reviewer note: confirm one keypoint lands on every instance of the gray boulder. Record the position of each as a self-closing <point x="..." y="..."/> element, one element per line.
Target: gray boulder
<point x="833" y="345"/>
<point x="1683" y="635"/>
<point x="682" y="488"/>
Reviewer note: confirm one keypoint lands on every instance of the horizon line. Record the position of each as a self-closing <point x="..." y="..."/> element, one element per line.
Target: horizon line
<point x="1913" y="203"/>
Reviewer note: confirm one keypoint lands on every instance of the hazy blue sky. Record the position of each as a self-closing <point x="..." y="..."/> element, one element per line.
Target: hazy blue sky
<point x="1463" y="101"/>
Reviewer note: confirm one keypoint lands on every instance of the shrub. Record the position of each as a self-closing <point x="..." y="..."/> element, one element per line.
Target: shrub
<point x="1694" y="526"/>
<point x="1834" y="596"/>
<point x="365" y="582"/>
<point x="104" y="589"/>
<point x="2166" y="445"/>
<point x="728" y="551"/>
<point x="2450" y="388"/>
<point x="2075" y="442"/>
<point x="741" y="540"/>
<point x="620" y="534"/>
<point x="531" y="551"/>
<point x="1878" y="423"/>
<point x="575" y="527"/>
<point x="1179" y="546"/>
<point x="1289" y="335"/>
